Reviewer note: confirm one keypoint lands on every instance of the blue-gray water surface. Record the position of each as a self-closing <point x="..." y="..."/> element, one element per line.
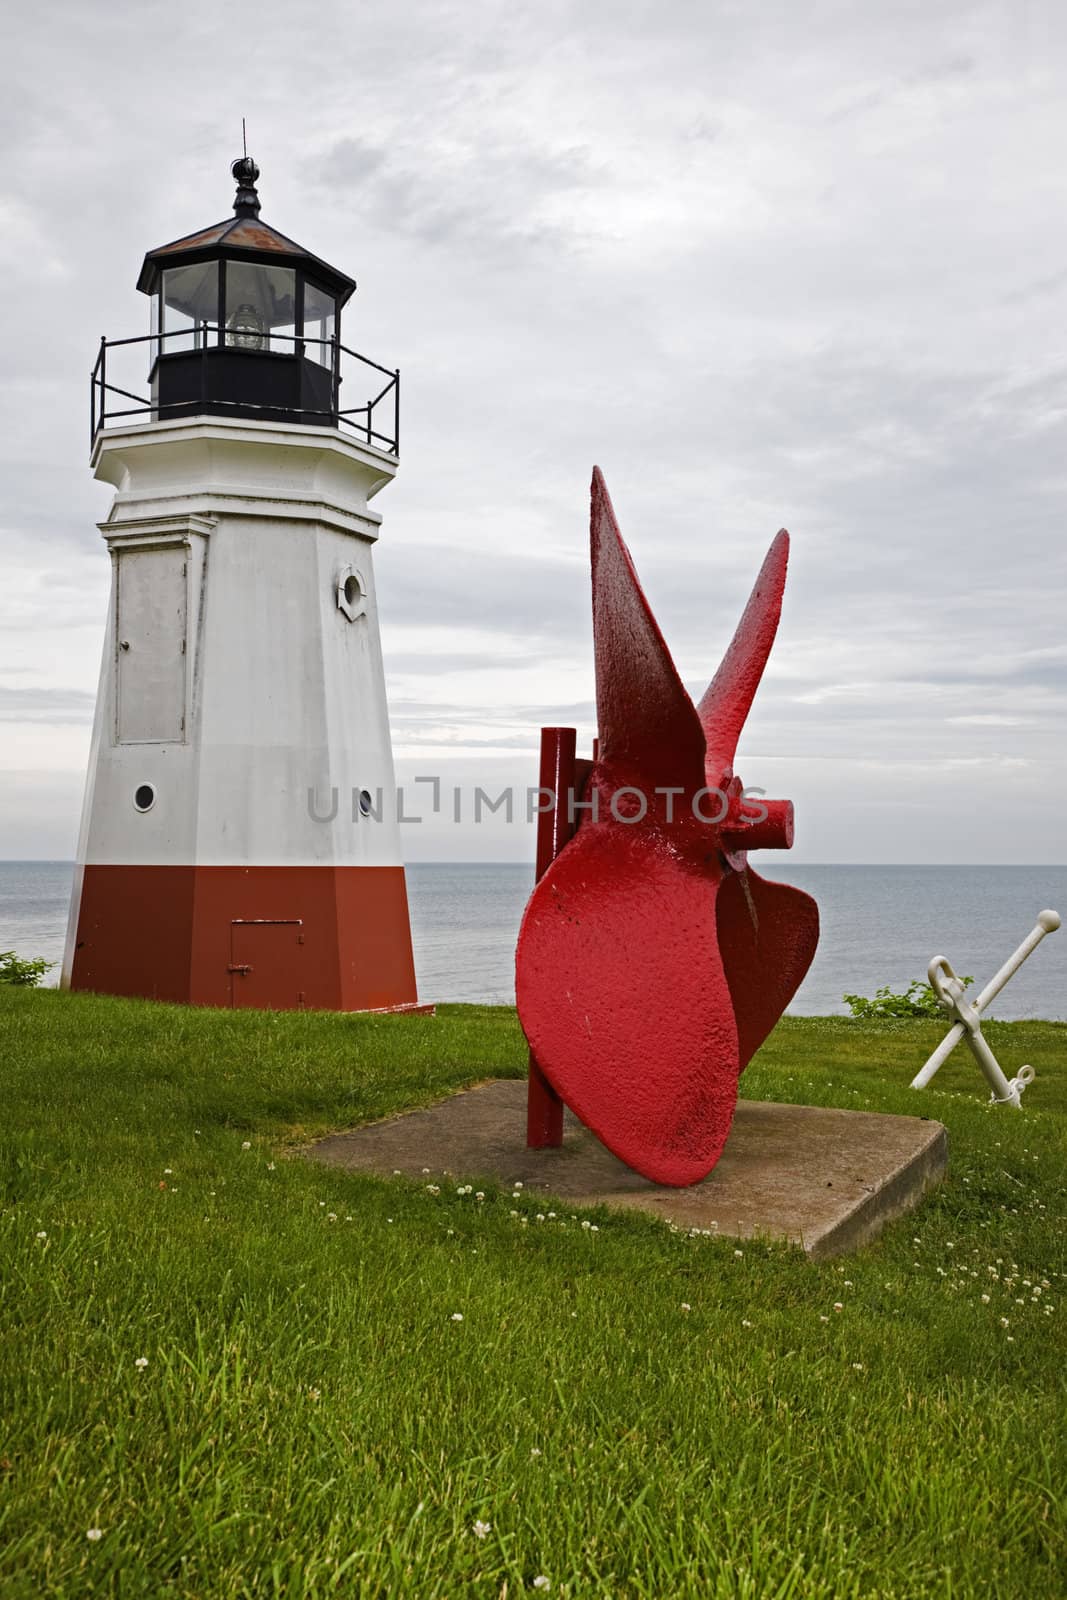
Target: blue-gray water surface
<point x="880" y="925"/>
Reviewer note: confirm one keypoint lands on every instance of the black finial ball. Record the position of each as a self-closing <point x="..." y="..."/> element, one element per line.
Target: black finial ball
<point x="245" y="170"/>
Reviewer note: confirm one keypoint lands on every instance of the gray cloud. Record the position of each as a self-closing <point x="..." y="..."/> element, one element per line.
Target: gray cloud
<point x="766" y="266"/>
<point x="28" y="704"/>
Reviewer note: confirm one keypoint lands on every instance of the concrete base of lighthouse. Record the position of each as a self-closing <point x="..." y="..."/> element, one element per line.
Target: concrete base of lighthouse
<point x="278" y="937"/>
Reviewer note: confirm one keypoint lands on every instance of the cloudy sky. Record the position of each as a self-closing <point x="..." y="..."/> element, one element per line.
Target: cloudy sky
<point x="766" y="263"/>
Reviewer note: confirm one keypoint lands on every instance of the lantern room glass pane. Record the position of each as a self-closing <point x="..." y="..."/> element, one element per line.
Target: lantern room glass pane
<point x="190" y="305"/>
<point x="260" y="306"/>
<point x="320" y="321"/>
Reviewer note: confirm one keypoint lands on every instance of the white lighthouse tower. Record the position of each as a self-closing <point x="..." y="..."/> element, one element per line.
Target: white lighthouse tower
<point x="239" y="842"/>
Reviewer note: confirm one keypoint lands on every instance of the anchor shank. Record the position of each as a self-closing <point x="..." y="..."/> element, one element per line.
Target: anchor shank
<point x="1005" y="1093"/>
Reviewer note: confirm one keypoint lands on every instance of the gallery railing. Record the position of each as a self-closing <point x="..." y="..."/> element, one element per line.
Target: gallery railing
<point x="377" y="421"/>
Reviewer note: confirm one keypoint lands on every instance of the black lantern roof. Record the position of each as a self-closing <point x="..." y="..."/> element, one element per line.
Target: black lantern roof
<point x="243" y="237"/>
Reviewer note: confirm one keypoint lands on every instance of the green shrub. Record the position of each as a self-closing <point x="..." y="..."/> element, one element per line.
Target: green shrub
<point x="25" y="974"/>
<point x="917" y="1000"/>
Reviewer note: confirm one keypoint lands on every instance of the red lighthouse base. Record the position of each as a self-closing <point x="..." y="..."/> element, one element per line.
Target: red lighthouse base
<point x="278" y="938"/>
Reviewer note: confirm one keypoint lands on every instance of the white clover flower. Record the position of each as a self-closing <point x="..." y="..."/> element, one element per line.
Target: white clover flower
<point x="331" y="1216"/>
<point x="433" y="1188"/>
<point x="823" y="1319"/>
<point x="838" y="1306"/>
<point x="425" y="1171"/>
<point x="739" y="1253"/>
<point x="246" y="1144"/>
<point x="540" y="1217"/>
<point x="985" y="1299"/>
<point x="270" y="1166"/>
<point x="480" y="1529"/>
<point x="541" y="1582"/>
<point x="479" y="1195"/>
<point x="535" y="1451"/>
<point x="857" y="1366"/>
<point x="94" y="1534"/>
<point x="1004" y="1323"/>
<point x="516" y="1184"/>
<point x="42" y="1234"/>
<point x="141" y="1363"/>
<point x="585" y="1225"/>
<point x="457" y="1316"/>
<point x="745" y="1323"/>
<point x="314" y="1394"/>
<point x="686" y="1306"/>
<point x="167" y="1172"/>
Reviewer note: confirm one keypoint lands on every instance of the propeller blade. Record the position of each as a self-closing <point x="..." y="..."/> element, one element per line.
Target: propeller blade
<point x="767" y="937"/>
<point x="622" y="996"/>
<point x="648" y="725"/>
<point x="728" y="698"/>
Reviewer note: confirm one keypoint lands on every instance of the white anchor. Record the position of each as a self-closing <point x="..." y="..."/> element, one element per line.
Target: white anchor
<point x="968" y="1013"/>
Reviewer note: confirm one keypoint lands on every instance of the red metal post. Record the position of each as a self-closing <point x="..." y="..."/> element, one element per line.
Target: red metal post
<point x="544" y="1108"/>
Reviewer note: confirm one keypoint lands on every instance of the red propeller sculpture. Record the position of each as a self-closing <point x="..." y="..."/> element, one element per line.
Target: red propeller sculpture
<point x="652" y="960"/>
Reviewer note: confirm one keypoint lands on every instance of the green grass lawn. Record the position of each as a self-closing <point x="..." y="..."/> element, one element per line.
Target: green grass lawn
<point x="256" y="1376"/>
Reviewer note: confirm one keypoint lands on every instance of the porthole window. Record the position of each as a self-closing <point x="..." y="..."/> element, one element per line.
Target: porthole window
<point x="366" y="802"/>
<point x="144" y="797"/>
<point x="351" y="593"/>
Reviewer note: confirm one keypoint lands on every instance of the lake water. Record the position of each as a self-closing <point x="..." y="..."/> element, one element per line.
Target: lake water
<point x="879" y="925"/>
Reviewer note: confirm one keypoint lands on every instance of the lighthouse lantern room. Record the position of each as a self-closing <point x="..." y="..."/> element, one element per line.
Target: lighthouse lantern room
<point x="239" y="843"/>
<point x="244" y="320"/>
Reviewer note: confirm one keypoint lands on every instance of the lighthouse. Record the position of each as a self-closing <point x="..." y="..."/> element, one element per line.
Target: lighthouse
<point x="239" y="843"/>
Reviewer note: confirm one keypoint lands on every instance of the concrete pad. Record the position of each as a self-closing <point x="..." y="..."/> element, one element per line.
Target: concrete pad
<point x="823" y="1179"/>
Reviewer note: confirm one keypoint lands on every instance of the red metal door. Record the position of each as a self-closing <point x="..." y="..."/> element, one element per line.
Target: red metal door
<point x="267" y="964"/>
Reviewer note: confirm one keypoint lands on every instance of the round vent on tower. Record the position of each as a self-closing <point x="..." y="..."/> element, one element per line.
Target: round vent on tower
<point x="351" y="593"/>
